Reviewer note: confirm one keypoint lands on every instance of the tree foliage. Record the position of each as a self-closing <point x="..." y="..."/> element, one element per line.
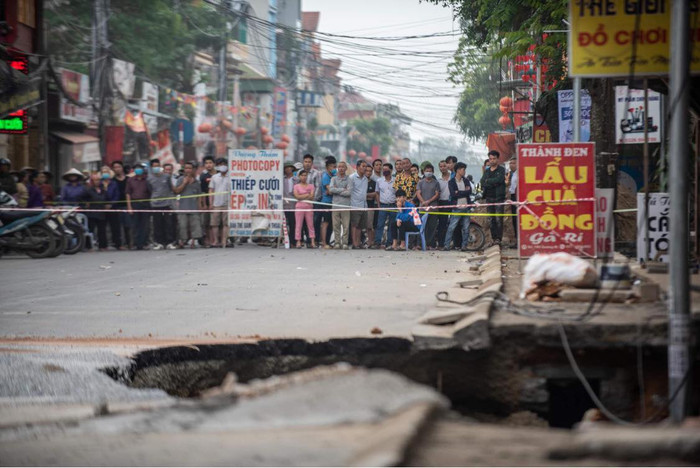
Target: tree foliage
<point x="158" y="36"/>
<point x="369" y="133"/>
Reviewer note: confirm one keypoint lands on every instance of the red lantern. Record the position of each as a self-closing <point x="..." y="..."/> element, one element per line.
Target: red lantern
<point x="506" y="102"/>
<point x="204" y="127"/>
<point x="240" y="131"/>
<point x="503" y="109"/>
<point x="504" y="121"/>
<point x="286" y="138"/>
<point x="282" y="145"/>
<point x="362" y="155"/>
<point x="352" y="153"/>
<point x="267" y="139"/>
<point x="264" y="130"/>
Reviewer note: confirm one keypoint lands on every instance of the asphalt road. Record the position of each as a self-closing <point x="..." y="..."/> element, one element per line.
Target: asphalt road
<point x="248" y="291"/>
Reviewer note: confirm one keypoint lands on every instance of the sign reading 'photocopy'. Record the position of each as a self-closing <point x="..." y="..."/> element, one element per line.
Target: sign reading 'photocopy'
<point x="256" y="185"/>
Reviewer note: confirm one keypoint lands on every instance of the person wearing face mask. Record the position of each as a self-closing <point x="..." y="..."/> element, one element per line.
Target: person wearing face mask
<point x="327" y="199"/>
<point x="387" y="199"/>
<point x="162" y="192"/>
<point x="428" y="194"/>
<point x="138" y="194"/>
<point x="97" y="195"/>
<point x="460" y="194"/>
<point x="220" y="194"/>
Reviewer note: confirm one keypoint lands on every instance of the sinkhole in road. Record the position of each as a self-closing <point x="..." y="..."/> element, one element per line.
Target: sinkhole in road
<point x="475" y="381"/>
<point x="501" y="383"/>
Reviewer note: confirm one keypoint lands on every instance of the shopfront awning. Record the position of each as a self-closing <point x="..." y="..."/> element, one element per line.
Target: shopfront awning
<point x="81" y="148"/>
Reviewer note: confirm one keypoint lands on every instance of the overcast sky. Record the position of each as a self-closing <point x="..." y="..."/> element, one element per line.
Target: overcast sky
<point x="416" y="82"/>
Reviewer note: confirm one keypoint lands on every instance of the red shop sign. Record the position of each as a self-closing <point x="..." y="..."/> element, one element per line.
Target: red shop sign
<point x="552" y="173"/>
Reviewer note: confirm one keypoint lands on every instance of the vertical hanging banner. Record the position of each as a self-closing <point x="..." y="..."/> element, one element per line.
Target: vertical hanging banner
<point x="256" y="184"/>
<point x="279" y="115"/>
<point x="551" y="173"/>
<point x="658" y="229"/>
<point x="605" y="228"/>
<point x="565" y="100"/>
<point x="630" y="115"/>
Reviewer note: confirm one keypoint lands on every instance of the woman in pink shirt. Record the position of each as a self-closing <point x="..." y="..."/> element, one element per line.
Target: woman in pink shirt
<point x="304" y="192"/>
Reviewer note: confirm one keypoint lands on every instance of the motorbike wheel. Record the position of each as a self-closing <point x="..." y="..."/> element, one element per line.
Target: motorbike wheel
<point x="45" y="239"/>
<point x="76" y="241"/>
<point x="61" y="243"/>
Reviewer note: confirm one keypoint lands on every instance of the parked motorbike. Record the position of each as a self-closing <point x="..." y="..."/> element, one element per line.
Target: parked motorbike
<point x="25" y="231"/>
<point x="71" y="236"/>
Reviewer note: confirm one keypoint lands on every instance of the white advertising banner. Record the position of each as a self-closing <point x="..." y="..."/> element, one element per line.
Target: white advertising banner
<point x="566" y="115"/>
<point x="149" y="102"/>
<point x="256" y="185"/>
<point x="658" y="229"/>
<point x="630" y="115"/>
<point x="124" y="79"/>
<point x="605" y="228"/>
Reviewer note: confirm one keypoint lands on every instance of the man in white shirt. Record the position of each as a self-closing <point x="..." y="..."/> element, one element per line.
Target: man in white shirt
<point x="444" y="200"/>
<point x="219" y="196"/>
<point x="387" y="199"/>
<point x="512" y="183"/>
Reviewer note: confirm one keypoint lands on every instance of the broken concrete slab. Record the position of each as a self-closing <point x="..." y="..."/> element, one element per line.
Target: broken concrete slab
<point x="43" y="414"/>
<point x="472" y="332"/>
<point x="470" y="283"/>
<point x="366" y="417"/>
<point x="445" y="316"/>
<point x="600" y="295"/>
<point x="433" y="337"/>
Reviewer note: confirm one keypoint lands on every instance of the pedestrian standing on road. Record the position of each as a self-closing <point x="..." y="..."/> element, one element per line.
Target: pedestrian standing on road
<point x="512" y="183"/>
<point x="48" y="195"/>
<point x="220" y="194"/>
<point x="304" y="193"/>
<point x="387" y="199"/>
<point x="204" y="179"/>
<point x="97" y="196"/>
<point x="138" y="195"/>
<point x="327" y="199"/>
<point x="313" y="178"/>
<point x="405" y="180"/>
<point x="123" y="220"/>
<point x="450" y="161"/>
<point x="405" y="217"/>
<point x="189" y="222"/>
<point x="35" y="199"/>
<point x="460" y="194"/>
<point x="493" y="183"/>
<point x="358" y="200"/>
<point x="162" y="194"/>
<point x="288" y="202"/>
<point x="376" y="173"/>
<point x="443" y="203"/>
<point x="372" y="201"/>
<point x="74" y="192"/>
<point x="428" y="193"/>
<point x="111" y="218"/>
<point x="339" y="189"/>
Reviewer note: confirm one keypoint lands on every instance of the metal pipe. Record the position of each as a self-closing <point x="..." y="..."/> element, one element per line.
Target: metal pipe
<point x="577" y="109"/>
<point x="645" y="169"/>
<point x="679" y="318"/>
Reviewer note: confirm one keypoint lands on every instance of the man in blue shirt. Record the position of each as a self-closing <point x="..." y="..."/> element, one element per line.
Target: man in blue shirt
<point x="404" y="219"/>
<point x="327" y="198"/>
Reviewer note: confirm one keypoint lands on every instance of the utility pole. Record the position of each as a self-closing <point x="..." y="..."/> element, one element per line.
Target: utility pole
<point x="44" y="106"/>
<point x="577" y="109"/>
<point x="679" y="319"/>
<point x="101" y="69"/>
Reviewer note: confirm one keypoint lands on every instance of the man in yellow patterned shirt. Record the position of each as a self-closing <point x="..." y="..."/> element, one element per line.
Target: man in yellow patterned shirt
<point x="404" y="179"/>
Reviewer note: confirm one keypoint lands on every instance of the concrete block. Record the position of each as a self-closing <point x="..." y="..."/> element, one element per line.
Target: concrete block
<point x="587" y="295"/>
<point x="492" y="249"/>
<point x="493" y="284"/>
<point x="646" y="292"/>
<point x="445" y="316"/>
<point x="470" y="283"/>
<point x="43" y="414"/>
<point x="472" y="332"/>
<point x="433" y="337"/>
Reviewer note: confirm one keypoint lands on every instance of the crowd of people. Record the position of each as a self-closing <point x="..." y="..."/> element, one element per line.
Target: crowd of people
<point x="149" y="206"/>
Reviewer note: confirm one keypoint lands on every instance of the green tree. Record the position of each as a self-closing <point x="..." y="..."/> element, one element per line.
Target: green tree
<point x="159" y="36"/>
<point x="369" y="133"/>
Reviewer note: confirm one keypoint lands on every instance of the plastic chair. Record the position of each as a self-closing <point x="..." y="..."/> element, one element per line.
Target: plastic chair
<point x="89" y="236"/>
<point x="421" y="233"/>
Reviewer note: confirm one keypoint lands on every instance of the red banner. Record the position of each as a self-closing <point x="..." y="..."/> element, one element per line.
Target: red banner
<point x="552" y="173"/>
